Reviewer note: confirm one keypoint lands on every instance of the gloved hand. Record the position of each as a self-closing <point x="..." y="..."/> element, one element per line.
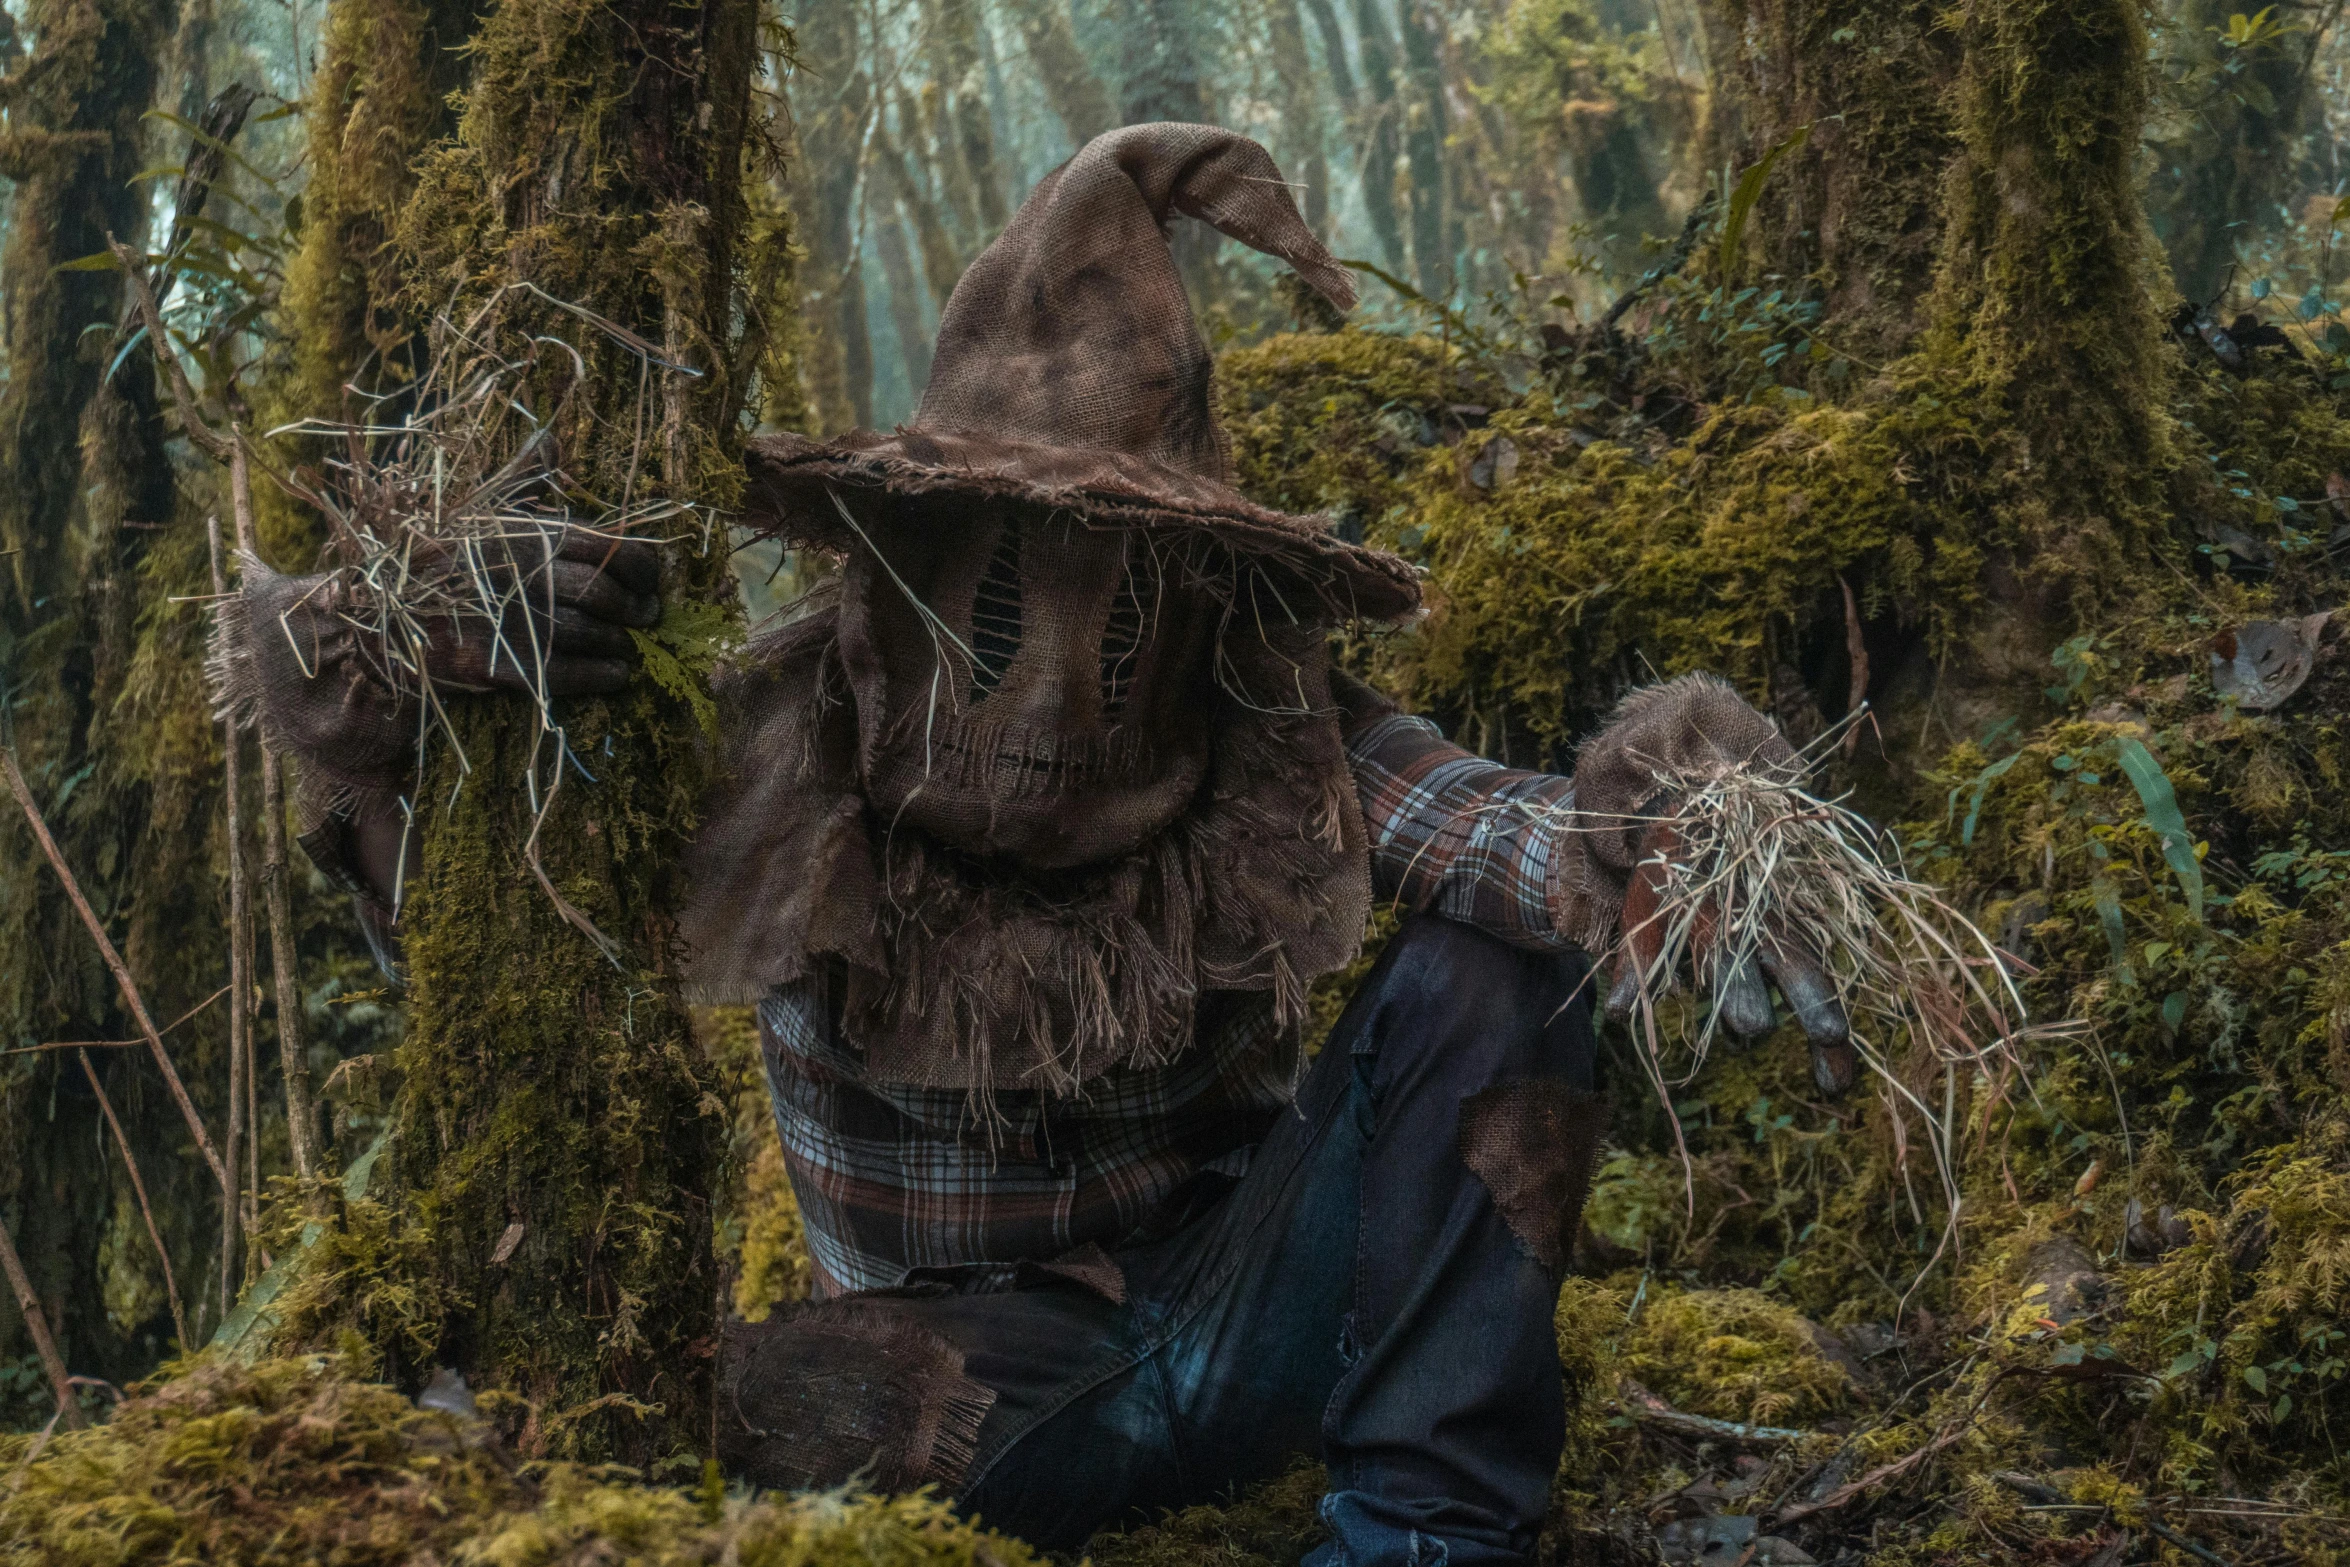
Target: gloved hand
<point x="1694" y="725"/>
<point x="297" y="651"/>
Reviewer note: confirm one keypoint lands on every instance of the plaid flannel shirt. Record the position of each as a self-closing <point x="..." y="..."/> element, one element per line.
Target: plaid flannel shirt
<point x="891" y="1178"/>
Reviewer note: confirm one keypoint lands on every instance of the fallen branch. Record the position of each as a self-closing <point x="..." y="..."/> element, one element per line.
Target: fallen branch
<point x="38" y="1326"/>
<point x="122" y="974"/>
<point x="240" y="954"/>
<point x="1877" y="1476"/>
<point x="171" y="1288"/>
<point x="1650" y="1410"/>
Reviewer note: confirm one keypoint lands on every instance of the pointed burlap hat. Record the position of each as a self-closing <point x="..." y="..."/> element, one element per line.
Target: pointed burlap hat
<point x="1070" y="375"/>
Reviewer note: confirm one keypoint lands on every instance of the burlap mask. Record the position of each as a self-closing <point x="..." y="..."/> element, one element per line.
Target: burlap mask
<point x="1028" y="687"/>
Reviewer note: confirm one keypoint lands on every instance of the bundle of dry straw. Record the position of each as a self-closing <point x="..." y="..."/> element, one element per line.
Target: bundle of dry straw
<point x="1752" y="869"/>
<point x="448" y="499"/>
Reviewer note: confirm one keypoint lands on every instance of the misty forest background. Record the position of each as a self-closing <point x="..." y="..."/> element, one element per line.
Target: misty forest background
<point x="1985" y="364"/>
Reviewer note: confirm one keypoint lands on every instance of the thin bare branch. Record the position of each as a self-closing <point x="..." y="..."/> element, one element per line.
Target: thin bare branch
<point x="240" y="980"/>
<point x="134" y="270"/>
<point x="171" y="1288"/>
<point x="276" y="891"/>
<point x="38" y="1325"/>
<point x="121" y="972"/>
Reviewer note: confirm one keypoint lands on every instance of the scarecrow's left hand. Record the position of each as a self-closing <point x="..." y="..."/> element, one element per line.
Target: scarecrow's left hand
<point x="1686" y="727"/>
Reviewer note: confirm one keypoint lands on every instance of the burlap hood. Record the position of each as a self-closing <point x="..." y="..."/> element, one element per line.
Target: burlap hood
<point x="1070" y="374"/>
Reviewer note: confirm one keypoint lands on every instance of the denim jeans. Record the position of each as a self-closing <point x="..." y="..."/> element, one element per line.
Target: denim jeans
<point x="1362" y="1291"/>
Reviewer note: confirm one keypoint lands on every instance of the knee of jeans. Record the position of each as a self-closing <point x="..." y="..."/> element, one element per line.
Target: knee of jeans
<point x="1492" y="1009"/>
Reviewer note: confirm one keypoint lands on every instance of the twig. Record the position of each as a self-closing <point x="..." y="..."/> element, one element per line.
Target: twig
<point x="1650" y="1410"/>
<point x="171" y="1288"/>
<point x="206" y="439"/>
<point x="1856" y="649"/>
<point x="2170" y="1536"/>
<point x="114" y="1044"/>
<point x="38" y="1325"/>
<point x="276" y="894"/>
<point x="40" y="1443"/>
<point x="1877" y="1476"/>
<point x="240" y="920"/>
<point x="122" y="975"/>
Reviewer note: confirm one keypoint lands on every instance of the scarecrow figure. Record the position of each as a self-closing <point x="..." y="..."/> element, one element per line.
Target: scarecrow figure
<point x="1033" y="827"/>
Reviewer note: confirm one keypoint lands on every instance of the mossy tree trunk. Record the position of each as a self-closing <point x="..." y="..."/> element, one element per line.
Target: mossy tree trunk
<point x="832" y="101"/>
<point x="1859" y="207"/>
<point x="95" y="662"/>
<point x="378" y="98"/>
<point x="541" y="1220"/>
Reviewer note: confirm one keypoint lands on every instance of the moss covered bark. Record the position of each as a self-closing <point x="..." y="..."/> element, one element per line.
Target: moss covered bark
<point x="379" y="97"/>
<point x="540" y="1219"/>
<point x="1859" y="209"/>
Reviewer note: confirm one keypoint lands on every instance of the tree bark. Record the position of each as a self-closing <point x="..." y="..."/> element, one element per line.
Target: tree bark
<point x="831" y="100"/>
<point x="1860" y="205"/>
<point x="540" y="1215"/>
<point x="1078" y="97"/>
<point x="85" y="488"/>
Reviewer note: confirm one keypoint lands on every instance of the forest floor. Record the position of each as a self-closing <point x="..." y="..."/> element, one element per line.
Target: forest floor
<point x="2112" y="1330"/>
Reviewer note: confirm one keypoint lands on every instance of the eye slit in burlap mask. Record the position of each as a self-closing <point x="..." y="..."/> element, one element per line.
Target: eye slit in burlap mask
<point x="1029" y="686"/>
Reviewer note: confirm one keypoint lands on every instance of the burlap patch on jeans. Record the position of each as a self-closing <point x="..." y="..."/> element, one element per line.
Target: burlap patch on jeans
<point x="1535" y="1144"/>
<point x="854" y="1387"/>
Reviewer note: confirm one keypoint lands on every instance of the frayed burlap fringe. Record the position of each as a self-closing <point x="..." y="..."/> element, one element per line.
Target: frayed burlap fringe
<point x="848" y="1389"/>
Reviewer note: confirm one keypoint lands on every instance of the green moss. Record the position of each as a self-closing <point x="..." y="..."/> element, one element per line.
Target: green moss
<point x="542" y="1214"/>
<point x="294" y="1462"/>
<point x="1274" y="1525"/>
<point x="760" y="1234"/>
<point x="1735" y="1355"/>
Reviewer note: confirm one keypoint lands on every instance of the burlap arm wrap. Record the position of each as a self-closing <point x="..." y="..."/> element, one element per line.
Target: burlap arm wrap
<point x="284" y="659"/>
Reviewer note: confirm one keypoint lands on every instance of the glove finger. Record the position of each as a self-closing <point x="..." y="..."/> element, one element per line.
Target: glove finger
<point x="634" y="563"/>
<point x="586" y="676"/>
<point x="600" y="594"/>
<point x="577" y="634"/>
<point x="1643" y="934"/>
<point x="1833" y="1067"/>
<point x="1810" y="994"/>
<point x="1624" y="995"/>
<point x="1743" y="1001"/>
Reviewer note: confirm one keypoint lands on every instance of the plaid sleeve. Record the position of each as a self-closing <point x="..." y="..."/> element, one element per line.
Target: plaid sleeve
<point x="1457" y="835"/>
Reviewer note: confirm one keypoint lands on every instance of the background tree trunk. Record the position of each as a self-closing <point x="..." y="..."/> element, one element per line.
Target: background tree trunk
<point x="92" y="658"/>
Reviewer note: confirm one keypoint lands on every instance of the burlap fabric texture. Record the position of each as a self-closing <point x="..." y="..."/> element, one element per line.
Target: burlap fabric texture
<point x="1058" y="755"/>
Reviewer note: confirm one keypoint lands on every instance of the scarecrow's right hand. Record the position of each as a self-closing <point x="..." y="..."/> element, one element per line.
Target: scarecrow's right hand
<point x="1688" y="728"/>
<point x="1742" y="996"/>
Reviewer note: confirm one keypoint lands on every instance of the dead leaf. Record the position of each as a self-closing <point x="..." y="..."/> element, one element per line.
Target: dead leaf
<point x="2261" y="663"/>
